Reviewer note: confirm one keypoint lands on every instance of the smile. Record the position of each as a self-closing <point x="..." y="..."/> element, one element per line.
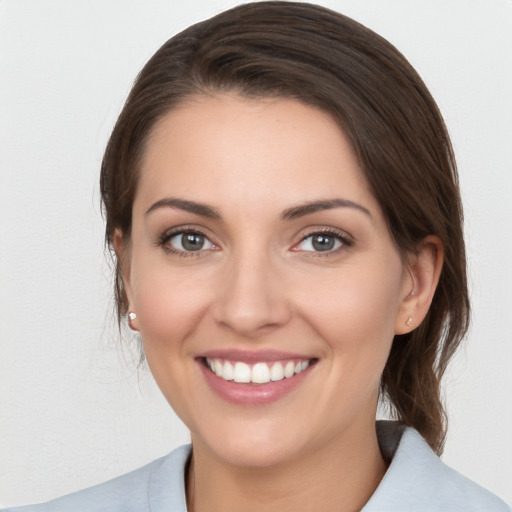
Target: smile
<point x="258" y="373"/>
<point x="250" y="378"/>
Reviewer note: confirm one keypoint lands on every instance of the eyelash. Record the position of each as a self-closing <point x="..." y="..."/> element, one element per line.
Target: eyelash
<point x="345" y="241"/>
<point x="167" y="236"/>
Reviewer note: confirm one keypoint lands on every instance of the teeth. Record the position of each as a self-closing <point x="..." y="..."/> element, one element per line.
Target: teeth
<point x="289" y="369"/>
<point x="242" y="372"/>
<point x="217" y="368"/>
<point x="277" y="372"/>
<point x="228" y="372"/>
<point x="259" y="373"/>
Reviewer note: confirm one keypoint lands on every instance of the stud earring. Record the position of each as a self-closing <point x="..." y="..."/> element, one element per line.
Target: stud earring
<point x="409" y="321"/>
<point x="131" y="317"/>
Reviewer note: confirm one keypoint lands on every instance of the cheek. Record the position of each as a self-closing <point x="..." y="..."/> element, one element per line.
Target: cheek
<point x="168" y="302"/>
<point x="354" y="310"/>
<point x="169" y="307"/>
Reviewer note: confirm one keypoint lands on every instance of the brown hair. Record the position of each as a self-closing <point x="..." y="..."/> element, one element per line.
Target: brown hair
<point x="329" y="61"/>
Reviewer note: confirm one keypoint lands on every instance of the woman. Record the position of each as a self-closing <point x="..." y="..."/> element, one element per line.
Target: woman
<point x="282" y="200"/>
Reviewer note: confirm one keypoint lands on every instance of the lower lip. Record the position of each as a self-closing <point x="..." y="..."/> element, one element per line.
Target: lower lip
<point x="252" y="394"/>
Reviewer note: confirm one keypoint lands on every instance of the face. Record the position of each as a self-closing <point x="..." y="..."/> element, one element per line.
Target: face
<point x="265" y="281"/>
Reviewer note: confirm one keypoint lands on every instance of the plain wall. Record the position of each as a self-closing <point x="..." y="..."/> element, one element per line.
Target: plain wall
<point x="74" y="410"/>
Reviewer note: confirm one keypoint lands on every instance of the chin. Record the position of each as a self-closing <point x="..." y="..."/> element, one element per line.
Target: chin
<point x="258" y="456"/>
<point x="255" y="447"/>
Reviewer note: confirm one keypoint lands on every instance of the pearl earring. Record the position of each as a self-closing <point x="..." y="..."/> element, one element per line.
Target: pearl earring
<point x="409" y="321"/>
<point x="132" y="315"/>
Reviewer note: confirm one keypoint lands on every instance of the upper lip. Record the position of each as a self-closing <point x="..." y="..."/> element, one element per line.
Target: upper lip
<point x="249" y="356"/>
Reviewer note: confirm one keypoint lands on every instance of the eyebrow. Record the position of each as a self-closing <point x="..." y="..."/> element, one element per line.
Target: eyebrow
<point x="316" y="206"/>
<point x="188" y="206"/>
<point x="292" y="213"/>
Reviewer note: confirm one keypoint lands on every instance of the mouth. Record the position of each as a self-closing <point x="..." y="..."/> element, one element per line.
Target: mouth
<point x="248" y="379"/>
<point x="261" y="372"/>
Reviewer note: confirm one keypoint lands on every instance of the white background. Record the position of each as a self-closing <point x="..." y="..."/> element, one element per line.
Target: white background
<point x="74" y="410"/>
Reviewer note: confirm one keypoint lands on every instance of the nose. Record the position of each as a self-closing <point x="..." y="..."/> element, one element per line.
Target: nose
<point x="251" y="300"/>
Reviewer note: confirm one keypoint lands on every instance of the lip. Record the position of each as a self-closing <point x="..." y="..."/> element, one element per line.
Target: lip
<point x="252" y="394"/>
<point x="251" y="357"/>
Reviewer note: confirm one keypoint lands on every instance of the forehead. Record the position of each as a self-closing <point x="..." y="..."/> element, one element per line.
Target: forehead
<point x="226" y="148"/>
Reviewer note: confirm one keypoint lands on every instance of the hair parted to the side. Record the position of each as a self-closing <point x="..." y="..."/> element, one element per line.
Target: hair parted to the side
<point x="324" y="59"/>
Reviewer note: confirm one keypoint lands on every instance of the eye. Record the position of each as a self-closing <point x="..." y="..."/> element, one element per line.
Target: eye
<point x="186" y="242"/>
<point x="322" y="242"/>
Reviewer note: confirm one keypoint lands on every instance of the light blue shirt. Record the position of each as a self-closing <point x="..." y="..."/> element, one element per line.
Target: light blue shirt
<point x="416" y="481"/>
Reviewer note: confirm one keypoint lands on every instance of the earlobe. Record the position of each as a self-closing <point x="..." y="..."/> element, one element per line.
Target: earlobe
<point x="424" y="267"/>
<point x="132" y="316"/>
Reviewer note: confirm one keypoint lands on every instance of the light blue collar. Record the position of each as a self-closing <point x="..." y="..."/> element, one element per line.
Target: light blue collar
<point x="416" y="480"/>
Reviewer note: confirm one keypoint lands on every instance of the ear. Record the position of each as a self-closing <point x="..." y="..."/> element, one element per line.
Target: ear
<point x="121" y="245"/>
<point x="424" y="267"/>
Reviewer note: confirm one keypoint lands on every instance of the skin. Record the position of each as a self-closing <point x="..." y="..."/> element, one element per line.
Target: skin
<point x="259" y="284"/>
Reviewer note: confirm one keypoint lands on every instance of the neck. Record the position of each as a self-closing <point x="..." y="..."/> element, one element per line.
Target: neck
<point x="340" y="477"/>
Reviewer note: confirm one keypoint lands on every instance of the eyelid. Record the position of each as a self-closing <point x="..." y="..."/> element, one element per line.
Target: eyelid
<point x="345" y="239"/>
<point x="167" y="235"/>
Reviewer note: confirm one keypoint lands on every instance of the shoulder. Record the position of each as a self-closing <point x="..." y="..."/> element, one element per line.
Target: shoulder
<point x="138" y="491"/>
<point x="418" y="480"/>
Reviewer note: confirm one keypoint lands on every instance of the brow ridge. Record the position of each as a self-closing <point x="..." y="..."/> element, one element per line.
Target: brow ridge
<point x="188" y="206"/>
<point x="292" y="213"/>
<point x="326" y="204"/>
